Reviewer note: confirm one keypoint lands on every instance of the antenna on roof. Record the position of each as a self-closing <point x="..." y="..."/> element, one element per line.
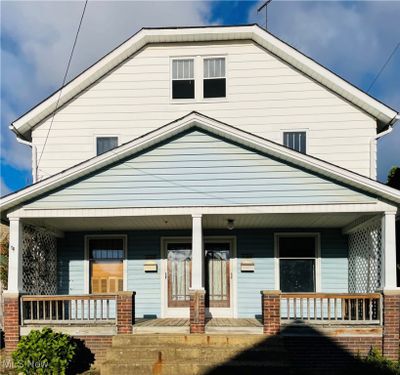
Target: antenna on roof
<point x="265" y="5"/>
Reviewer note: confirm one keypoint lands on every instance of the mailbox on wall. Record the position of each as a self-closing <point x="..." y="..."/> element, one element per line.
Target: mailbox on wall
<point x="150" y="267"/>
<point x="247" y="265"/>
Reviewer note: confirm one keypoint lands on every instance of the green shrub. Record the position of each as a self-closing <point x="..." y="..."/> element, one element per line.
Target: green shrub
<point x="378" y="362"/>
<point x="44" y="352"/>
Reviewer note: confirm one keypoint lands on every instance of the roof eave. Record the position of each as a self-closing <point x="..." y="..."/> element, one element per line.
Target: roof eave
<point x="378" y="110"/>
<point x="196" y="119"/>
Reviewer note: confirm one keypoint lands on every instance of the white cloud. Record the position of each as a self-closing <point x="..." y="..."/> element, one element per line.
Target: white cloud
<point x="355" y="37"/>
<point x="12" y="152"/>
<point x="4" y="189"/>
<point x="40" y="36"/>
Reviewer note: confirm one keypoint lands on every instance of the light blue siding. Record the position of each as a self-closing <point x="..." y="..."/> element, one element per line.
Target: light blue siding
<point x="257" y="243"/>
<point x="199" y="169"/>
<point x="334" y="262"/>
<point x="141" y="247"/>
<point x="70" y="259"/>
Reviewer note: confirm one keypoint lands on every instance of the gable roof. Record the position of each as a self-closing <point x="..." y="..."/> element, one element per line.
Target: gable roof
<point x="195" y="119"/>
<point x="384" y="114"/>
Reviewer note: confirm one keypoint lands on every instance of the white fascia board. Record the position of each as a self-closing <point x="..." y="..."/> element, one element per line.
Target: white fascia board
<point x="252" y="32"/>
<point x="215" y="127"/>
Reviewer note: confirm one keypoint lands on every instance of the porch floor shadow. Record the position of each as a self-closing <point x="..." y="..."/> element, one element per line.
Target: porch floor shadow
<point x="213" y="325"/>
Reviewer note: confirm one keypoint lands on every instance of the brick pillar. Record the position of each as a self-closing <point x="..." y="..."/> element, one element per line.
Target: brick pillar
<point x="11" y="321"/>
<point x="197" y="311"/>
<point x="125" y="312"/>
<point x="391" y="324"/>
<point x="271" y="315"/>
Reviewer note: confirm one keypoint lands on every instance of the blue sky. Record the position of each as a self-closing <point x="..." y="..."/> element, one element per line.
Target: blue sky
<point x="351" y="38"/>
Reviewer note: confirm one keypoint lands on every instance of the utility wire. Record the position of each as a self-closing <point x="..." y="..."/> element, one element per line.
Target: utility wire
<point x="64" y="79"/>
<point x="383" y="66"/>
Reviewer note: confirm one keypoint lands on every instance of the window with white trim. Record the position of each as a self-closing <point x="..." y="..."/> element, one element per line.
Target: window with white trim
<point x="296" y="141"/>
<point x="297" y="263"/>
<point x="106" y="255"/>
<point x="214" y="82"/>
<point x="104" y="144"/>
<point x="183" y="85"/>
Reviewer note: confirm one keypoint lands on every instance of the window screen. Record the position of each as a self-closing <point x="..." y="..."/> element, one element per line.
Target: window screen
<point x="295" y="141"/>
<point x="297" y="275"/>
<point x="214" y="83"/>
<point x="183" y="79"/>
<point x="104" y="144"/>
<point x="297" y="264"/>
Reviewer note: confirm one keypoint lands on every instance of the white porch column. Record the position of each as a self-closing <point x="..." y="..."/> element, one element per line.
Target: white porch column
<point x="389" y="281"/>
<point x="15" y="257"/>
<point x="197" y="253"/>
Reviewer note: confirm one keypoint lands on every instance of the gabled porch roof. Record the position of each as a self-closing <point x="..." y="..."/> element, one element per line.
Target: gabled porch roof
<point x="213" y="127"/>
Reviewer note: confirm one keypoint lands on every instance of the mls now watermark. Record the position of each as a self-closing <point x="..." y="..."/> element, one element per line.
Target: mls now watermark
<point x="10" y="364"/>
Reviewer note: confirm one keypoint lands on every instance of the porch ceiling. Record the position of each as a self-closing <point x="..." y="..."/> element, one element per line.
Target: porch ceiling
<point x="306" y="220"/>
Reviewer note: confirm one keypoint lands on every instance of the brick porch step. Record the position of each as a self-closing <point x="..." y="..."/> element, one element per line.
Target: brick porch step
<point x="180" y="352"/>
<point x="194" y="368"/>
<point x="194" y="355"/>
<point x="195" y="339"/>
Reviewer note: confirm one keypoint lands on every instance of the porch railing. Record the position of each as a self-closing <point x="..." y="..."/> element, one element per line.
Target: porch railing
<point x="327" y="308"/>
<point x="69" y="309"/>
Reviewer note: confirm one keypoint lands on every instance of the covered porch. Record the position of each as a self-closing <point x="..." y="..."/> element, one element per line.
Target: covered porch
<point x="230" y="255"/>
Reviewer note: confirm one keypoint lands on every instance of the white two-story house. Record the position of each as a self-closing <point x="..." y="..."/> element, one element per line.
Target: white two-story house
<point x="214" y="162"/>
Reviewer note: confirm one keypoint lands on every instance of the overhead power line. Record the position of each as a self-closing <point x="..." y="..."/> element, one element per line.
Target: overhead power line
<point x="64" y="79"/>
<point x="383" y="67"/>
<point x="265" y="5"/>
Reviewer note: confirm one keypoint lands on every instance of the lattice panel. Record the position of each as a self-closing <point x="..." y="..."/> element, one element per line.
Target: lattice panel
<point x="39" y="259"/>
<point x="365" y="254"/>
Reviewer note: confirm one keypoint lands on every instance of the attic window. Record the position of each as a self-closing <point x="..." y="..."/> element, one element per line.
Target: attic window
<point x="104" y="144"/>
<point x="183" y="79"/>
<point x="214" y="83"/>
<point x="295" y="140"/>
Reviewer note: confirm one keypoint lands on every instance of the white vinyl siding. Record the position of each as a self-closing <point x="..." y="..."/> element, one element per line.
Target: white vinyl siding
<point x="266" y="96"/>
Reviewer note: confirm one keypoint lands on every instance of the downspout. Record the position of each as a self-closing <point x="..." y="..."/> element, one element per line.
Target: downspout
<point x="34" y="151"/>
<point x="372" y="145"/>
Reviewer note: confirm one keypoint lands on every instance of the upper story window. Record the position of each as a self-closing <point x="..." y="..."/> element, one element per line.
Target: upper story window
<point x="183" y="79"/>
<point x="104" y="144"/>
<point x="295" y="141"/>
<point x="214" y="83"/>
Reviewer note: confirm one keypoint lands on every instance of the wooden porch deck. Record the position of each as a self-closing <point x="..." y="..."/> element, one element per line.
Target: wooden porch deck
<point x="213" y="325"/>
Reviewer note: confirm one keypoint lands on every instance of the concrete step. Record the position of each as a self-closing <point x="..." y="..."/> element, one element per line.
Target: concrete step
<point x="195" y="340"/>
<point x="209" y="355"/>
<point x="193" y="368"/>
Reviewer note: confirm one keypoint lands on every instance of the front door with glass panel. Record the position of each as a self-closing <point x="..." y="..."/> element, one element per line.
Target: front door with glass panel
<point x="179" y="270"/>
<point x="217" y="273"/>
<point x="217" y="266"/>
